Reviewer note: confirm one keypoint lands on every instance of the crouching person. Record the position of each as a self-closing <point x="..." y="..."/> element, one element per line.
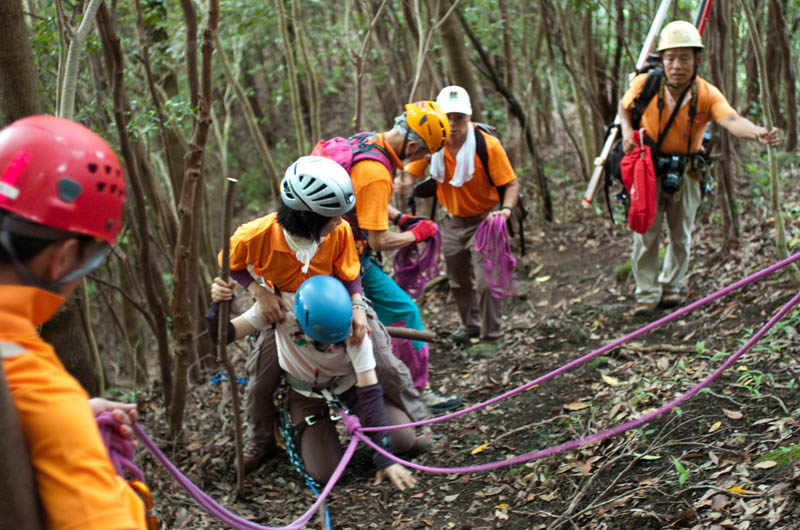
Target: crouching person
<point x="317" y="359"/>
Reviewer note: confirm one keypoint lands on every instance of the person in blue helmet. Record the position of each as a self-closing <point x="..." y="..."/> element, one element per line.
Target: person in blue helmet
<point x="317" y="359"/>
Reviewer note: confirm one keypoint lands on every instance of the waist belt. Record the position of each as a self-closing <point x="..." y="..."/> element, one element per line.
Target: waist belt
<point x="307" y="386"/>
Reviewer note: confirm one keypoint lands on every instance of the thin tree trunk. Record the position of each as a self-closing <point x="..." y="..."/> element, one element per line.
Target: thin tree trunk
<point x="459" y="67"/>
<point x="291" y="76"/>
<point x="781" y="34"/>
<point x="19" y="87"/>
<point x="774" y="177"/>
<point x="311" y="74"/>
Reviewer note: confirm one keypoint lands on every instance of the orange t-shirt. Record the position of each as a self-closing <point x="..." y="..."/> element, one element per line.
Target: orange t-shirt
<point x="478" y="195"/>
<point x="260" y="243"/>
<point x="711" y="105"/>
<point x="372" y="185"/>
<point x="77" y="483"/>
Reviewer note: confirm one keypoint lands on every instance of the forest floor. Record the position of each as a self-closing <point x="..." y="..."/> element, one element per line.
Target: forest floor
<point x="727" y="458"/>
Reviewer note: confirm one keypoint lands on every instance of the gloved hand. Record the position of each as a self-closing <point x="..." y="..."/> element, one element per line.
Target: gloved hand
<point x="406" y="221"/>
<point x="424" y="229"/>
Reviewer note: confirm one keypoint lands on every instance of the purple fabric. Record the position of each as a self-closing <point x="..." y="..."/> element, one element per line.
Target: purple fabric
<point x="120" y="449"/>
<point x="374" y="412"/>
<point x="354" y="286"/>
<point x="415" y="360"/>
<point x="414" y="268"/>
<point x="491" y="241"/>
<point x="242" y="277"/>
<point x="212" y="324"/>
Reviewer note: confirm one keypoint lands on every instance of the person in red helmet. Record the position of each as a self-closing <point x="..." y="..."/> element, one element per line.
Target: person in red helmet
<point x="62" y="191"/>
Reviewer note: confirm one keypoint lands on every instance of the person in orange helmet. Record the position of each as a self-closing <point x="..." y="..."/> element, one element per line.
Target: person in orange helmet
<point x="62" y="191"/>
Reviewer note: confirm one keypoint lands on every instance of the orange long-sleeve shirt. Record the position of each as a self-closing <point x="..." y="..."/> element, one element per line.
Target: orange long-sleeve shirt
<point x="78" y="486"/>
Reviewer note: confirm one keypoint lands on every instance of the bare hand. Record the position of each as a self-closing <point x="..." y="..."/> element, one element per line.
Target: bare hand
<point x="221" y="291"/>
<point x="273" y="307"/>
<point x="124" y="413"/>
<point x="505" y="212"/>
<point x="627" y="142"/>
<point x="398" y="475"/>
<point x="770" y="138"/>
<point x="360" y="328"/>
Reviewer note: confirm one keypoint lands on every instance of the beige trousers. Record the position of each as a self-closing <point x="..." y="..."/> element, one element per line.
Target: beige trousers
<point x="478" y="309"/>
<point x="679" y="210"/>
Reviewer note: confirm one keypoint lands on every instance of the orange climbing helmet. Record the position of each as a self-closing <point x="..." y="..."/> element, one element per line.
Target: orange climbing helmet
<point x="57" y="173"/>
<point x="427" y="119"/>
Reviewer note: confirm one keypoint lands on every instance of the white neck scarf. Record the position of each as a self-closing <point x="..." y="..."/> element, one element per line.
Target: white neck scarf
<point x="465" y="162"/>
<point x="304" y="249"/>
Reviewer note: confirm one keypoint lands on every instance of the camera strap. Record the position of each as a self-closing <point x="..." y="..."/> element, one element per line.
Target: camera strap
<point x="678" y="104"/>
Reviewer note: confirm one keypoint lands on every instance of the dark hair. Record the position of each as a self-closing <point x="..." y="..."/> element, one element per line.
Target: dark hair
<point x="301" y="223"/>
<point x="26" y="247"/>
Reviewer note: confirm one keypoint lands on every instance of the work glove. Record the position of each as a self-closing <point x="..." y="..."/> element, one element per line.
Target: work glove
<point x="424" y="229"/>
<point x="406" y="221"/>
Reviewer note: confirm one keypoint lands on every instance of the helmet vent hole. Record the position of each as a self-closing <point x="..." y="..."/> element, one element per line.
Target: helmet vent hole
<point x="113" y="188"/>
<point x="109" y="224"/>
<point x="101" y="186"/>
<point x="69" y="189"/>
<point x="108" y="170"/>
<point x="92" y="168"/>
<point x="423" y="120"/>
<point x="118" y="173"/>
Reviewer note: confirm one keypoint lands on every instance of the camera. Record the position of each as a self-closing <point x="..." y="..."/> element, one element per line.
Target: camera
<point x="672" y="168"/>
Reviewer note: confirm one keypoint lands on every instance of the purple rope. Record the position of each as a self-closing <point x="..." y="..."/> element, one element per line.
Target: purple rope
<point x="589" y="356"/>
<point x="120" y="449"/>
<point x="491" y="241"/>
<point x="602" y="435"/>
<point x="221" y="513"/>
<point x="413" y="269"/>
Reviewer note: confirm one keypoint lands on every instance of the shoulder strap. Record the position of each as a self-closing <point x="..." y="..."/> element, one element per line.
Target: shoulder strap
<point x="674" y="114"/>
<point x="365" y="147"/>
<point x="482" y="151"/>
<point x="645" y="96"/>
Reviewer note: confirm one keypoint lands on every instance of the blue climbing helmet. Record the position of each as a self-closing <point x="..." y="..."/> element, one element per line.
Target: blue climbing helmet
<point x="323" y="308"/>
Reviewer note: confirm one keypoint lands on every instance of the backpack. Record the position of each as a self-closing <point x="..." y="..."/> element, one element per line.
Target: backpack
<point x="427" y="187"/>
<point x="349" y="151"/>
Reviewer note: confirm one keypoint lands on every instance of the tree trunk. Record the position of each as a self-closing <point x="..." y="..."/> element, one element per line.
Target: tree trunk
<point x="459" y="68"/>
<point x="781" y="35"/>
<point x="19" y="88"/>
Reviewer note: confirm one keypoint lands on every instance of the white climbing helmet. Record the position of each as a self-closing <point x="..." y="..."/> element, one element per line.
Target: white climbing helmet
<point x="318" y="184"/>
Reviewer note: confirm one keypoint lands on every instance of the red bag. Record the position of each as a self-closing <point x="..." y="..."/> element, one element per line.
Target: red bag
<point x="639" y="177"/>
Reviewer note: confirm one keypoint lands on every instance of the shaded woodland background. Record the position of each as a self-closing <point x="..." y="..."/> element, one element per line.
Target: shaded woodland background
<point x="192" y="92"/>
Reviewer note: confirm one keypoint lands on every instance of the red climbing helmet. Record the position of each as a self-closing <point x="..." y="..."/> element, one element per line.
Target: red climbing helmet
<point x="58" y="173"/>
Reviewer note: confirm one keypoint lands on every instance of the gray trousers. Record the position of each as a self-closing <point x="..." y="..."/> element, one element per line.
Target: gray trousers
<point x="679" y="210"/>
<point x="264" y="376"/>
<point x="478" y="309"/>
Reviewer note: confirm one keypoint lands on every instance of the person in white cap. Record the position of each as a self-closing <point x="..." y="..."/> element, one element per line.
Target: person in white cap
<point x="470" y="193"/>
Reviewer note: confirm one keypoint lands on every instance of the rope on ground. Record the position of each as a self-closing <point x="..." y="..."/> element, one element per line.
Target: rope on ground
<point x="221" y="513"/>
<point x="605" y="349"/>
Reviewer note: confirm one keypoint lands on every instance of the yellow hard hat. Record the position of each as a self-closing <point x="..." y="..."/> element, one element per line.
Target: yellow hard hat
<point x="427" y="119"/>
<point x="679" y="34"/>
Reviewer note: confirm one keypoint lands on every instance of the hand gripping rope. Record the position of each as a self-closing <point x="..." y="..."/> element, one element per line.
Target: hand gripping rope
<point x="356" y="431"/>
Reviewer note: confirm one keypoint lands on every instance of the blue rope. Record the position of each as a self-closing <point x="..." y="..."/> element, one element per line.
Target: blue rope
<point x="223" y="376"/>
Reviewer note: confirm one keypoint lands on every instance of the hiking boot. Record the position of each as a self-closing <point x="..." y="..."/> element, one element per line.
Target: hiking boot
<point x="437" y="403"/>
<point x="255" y="453"/>
<point x="424" y="439"/>
<point x="643" y="309"/>
<point x="462" y="335"/>
<point x="669" y="299"/>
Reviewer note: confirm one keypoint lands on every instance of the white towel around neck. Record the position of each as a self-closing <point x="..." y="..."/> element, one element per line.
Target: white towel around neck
<point x="304" y="249"/>
<point x="465" y="162"/>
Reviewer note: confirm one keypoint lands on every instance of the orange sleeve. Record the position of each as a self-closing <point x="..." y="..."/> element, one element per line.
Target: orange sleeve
<point x="718" y="104"/>
<point x="249" y="242"/>
<point x="499" y="164"/>
<point x="636" y="86"/>
<point x="77" y="484"/>
<point x="346" y="265"/>
<point x="372" y="185"/>
<point x="418" y="167"/>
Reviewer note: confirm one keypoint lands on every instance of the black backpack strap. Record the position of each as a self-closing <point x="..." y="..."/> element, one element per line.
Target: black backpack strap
<point x="482" y="151"/>
<point x="674" y="114"/>
<point x="651" y="87"/>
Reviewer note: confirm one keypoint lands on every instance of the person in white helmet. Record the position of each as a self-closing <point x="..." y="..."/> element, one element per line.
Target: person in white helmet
<point x="470" y="193"/>
<point x="675" y="142"/>
<point x="278" y="252"/>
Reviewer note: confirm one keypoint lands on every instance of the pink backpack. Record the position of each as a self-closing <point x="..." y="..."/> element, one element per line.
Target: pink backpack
<point x="348" y="151"/>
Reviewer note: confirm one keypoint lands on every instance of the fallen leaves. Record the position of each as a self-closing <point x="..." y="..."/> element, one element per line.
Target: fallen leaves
<point x="576" y="405"/>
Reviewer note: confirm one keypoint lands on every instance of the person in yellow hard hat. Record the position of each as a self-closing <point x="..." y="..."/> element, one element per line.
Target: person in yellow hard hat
<point x="676" y="137"/>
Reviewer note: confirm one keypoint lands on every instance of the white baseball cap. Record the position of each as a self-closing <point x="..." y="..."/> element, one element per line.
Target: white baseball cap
<point x="453" y="98"/>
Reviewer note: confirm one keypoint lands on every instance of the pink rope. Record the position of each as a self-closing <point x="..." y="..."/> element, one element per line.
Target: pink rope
<point x="414" y="268"/>
<point x="491" y="241"/>
<point x="224" y="515"/>
<point x="120" y="449"/>
<point x="612" y="345"/>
